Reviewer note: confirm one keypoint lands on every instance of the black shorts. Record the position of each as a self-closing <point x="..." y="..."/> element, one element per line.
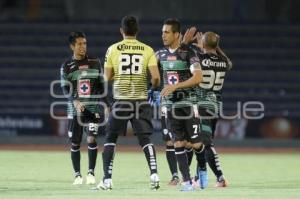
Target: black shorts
<point x="207" y="125"/>
<point x="138" y="112"/>
<point x="184" y="124"/>
<point x="88" y="123"/>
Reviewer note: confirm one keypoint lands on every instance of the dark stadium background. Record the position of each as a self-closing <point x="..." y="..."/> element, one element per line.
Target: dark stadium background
<point x="262" y="37"/>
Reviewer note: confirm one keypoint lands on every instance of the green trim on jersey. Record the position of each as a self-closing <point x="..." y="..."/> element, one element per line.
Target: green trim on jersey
<point x="83" y="74"/>
<point x="174" y="65"/>
<point x="206" y="128"/>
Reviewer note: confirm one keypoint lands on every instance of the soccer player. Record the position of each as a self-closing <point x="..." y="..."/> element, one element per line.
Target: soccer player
<point x="127" y="63"/>
<point x="168" y="138"/>
<point x="182" y="74"/>
<point x="215" y="64"/>
<point x="167" y="135"/>
<point x="82" y="81"/>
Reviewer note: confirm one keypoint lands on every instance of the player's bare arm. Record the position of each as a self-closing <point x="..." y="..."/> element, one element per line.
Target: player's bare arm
<point x="109" y="73"/>
<point x="155" y="77"/>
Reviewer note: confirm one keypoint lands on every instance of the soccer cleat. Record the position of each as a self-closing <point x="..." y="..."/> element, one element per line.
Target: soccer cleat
<point x="221" y="182"/>
<point x="90" y="179"/>
<point x="203" y="179"/>
<point x="154" y="181"/>
<point x="187" y="186"/>
<point x="174" y="181"/>
<point x="105" y="184"/>
<point x="78" y="180"/>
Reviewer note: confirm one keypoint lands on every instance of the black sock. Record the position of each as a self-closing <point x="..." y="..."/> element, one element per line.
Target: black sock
<point x="92" y="153"/>
<point x="212" y="159"/>
<point x="108" y="158"/>
<point x="196" y="173"/>
<point x="201" y="161"/>
<point x="172" y="161"/>
<point x="151" y="157"/>
<point x="190" y="154"/>
<point x="183" y="163"/>
<point x="75" y="157"/>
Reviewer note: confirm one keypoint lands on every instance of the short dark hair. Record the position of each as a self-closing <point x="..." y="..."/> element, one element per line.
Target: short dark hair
<point x="74" y="35"/>
<point x="130" y="25"/>
<point x="175" y="23"/>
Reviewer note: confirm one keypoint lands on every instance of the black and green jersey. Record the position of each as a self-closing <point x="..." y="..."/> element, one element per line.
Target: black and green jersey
<point x="84" y="80"/>
<point x="214" y="68"/>
<point x="176" y="67"/>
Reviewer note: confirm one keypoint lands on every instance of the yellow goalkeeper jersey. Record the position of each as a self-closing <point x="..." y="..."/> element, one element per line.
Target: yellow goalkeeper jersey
<point x="130" y="60"/>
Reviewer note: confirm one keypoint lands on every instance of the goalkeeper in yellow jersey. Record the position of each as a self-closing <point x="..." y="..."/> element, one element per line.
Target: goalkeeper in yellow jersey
<point x="127" y="64"/>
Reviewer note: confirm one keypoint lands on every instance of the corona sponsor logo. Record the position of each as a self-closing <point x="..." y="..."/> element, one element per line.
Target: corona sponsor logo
<point x="208" y="62"/>
<point x="123" y="47"/>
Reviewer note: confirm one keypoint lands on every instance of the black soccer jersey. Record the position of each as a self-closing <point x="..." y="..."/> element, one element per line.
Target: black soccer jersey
<point x="175" y="67"/>
<point x="214" y="68"/>
<point x="85" y="80"/>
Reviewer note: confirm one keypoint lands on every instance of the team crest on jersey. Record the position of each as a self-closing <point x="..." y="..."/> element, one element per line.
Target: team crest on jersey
<point x="171" y="58"/>
<point x="84" y="87"/>
<point x="173" y="78"/>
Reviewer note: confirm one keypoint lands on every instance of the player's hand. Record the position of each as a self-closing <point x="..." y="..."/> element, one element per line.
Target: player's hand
<point x="154" y="97"/>
<point x="78" y="106"/>
<point x="199" y="43"/>
<point x="168" y="90"/>
<point x="189" y="35"/>
<point x="151" y="96"/>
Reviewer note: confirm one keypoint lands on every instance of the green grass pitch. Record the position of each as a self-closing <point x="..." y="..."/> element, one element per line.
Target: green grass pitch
<point x="48" y="175"/>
